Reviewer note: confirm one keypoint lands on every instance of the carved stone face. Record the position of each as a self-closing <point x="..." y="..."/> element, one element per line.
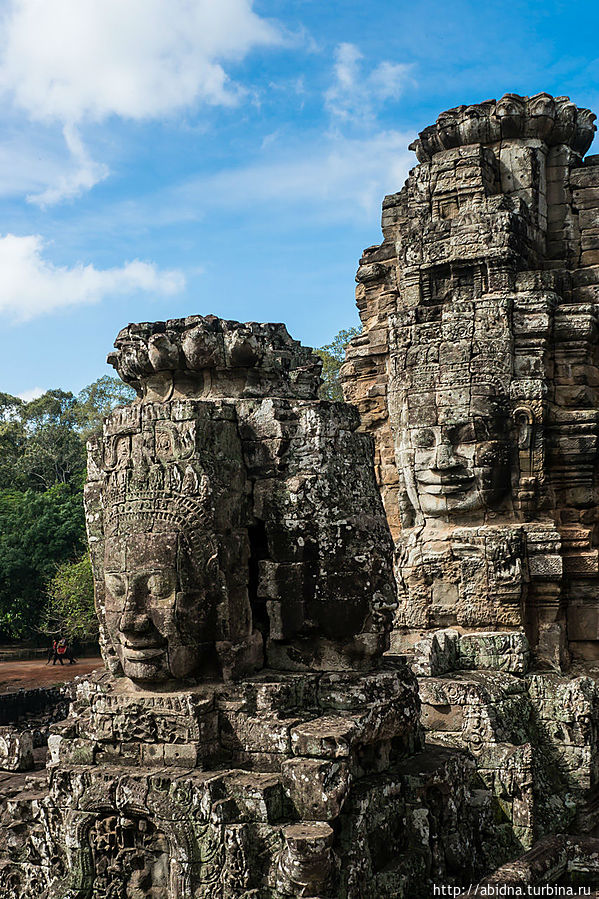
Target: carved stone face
<point x="455" y="461"/>
<point x="157" y="615"/>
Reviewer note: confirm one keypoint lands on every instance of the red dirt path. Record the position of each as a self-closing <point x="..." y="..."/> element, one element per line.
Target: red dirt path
<point x="35" y="673"/>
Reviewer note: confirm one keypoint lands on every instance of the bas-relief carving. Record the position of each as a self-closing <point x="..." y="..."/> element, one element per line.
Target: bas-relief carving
<point x="455" y="460"/>
<point x="130" y="859"/>
<point x="234" y="523"/>
<point x="156" y="625"/>
<point x="476" y="374"/>
<point x="165" y="558"/>
<point x="461" y="558"/>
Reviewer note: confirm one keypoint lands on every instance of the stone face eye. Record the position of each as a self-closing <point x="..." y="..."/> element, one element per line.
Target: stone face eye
<point x="423" y="438"/>
<point x="160" y="584"/>
<point x="115" y="584"/>
<point x="463" y="434"/>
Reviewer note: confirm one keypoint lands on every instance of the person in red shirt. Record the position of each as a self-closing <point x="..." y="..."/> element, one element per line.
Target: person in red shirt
<point x="61" y="649"/>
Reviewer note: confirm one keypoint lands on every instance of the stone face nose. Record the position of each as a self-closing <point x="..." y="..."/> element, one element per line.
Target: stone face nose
<point x="445" y="456"/>
<point x="134" y="617"/>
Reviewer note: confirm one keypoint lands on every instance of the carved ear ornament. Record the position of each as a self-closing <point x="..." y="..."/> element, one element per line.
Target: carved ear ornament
<point x="528" y="460"/>
<point x="524" y="420"/>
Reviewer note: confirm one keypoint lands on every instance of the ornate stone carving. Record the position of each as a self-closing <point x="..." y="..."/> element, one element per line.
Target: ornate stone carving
<point x="476" y="373"/>
<point x="212" y="538"/>
<point x="246" y="735"/>
<point x="130" y="859"/>
<point x="471" y="306"/>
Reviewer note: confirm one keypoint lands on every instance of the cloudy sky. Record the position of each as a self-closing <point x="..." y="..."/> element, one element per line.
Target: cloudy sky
<point x="160" y="158"/>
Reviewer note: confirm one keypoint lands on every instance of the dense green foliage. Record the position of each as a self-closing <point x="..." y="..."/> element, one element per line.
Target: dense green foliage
<point x="42" y="527"/>
<point x="37" y="531"/>
<point x="70" y="607"/>
<point x="333" y="355"/>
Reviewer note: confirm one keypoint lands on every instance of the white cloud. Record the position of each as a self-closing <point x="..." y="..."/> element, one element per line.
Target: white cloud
<point x="32" y="394"/>
<point x="85" y="176"/>
<point x="334" y="179"/>
<point x="354" y="93"/>
<point x="32" y="286"/>
<point x="33" y="163"/>
<point x="70" y="60"/>
<point x="25" y="167"/>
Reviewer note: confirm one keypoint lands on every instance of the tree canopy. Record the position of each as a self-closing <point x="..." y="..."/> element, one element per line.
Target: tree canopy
<point x="333" y="355"/>
<point x="70" y="608"/>
<point x="42" y="525"/>
<point x="37" y="531"/>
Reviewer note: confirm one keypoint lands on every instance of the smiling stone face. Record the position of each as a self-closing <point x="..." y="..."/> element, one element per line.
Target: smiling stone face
<point x="158" y="625"/>
<point x="454" y="459"/>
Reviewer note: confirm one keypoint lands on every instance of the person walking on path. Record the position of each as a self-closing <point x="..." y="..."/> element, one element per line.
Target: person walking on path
<point x="61" y="649"/>
<point x="52" y="653"/>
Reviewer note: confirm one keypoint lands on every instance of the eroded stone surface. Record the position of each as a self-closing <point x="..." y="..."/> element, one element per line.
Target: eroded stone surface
<point x="233" y="517"/>
<point x="476" y="373"/>
<point x="247" y="738"/>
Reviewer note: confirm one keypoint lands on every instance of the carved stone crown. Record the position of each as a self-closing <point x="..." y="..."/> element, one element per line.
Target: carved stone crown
<point x="201" y="356"/>
<point x="555" y="121"/>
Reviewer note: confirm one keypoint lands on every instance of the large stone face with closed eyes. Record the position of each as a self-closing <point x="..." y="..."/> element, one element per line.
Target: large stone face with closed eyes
<point x="159" y="618"/>
<point x="454" y="461"/>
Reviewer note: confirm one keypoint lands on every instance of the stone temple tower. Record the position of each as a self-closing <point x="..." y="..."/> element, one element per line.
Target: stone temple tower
<point x="477" y="374"/>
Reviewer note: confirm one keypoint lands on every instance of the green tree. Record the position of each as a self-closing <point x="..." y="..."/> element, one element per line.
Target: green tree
<point x="98" y="399"/>
<point x="42" y="469"/>
<point x="52" y="451"/>
<point x="37" y="532"/>
<point x="333" y="355"/>
<point x="10" y="406"/>
<point x="70" y="608"/>
<point x="13" y="438"/>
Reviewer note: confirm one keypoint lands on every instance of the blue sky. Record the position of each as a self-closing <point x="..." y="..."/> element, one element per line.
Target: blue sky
<point x="161" y="158"/>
